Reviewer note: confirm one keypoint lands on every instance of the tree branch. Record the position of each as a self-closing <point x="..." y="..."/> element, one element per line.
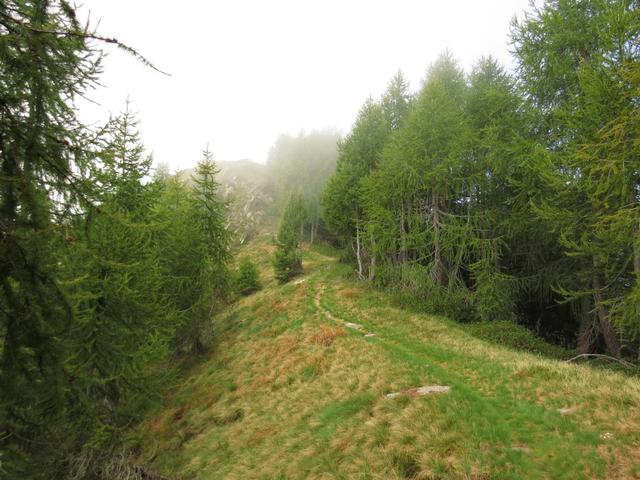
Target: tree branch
<point x="91" y="36"/>
<point x="606" y="357"/>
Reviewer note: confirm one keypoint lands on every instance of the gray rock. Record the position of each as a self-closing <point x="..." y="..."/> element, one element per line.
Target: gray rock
<point x="429" y="389"/>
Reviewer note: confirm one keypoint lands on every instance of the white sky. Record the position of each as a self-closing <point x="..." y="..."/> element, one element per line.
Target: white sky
<point x="245" y="71"/>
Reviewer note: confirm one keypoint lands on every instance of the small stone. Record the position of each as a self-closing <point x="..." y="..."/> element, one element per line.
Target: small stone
<point x="429" y="389"/>
<point x="353" y="326"/>
<point x="421" y="391"/>
<point x="369" y="335"/>
<point x="606" y="436"/>
<point x="567" y="411"/>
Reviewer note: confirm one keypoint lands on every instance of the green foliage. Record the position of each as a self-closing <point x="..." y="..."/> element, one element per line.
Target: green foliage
<point x="247" y="278"/>
<point x="290" y="228"/>
<point x="287" y="264"/>
<point x="481" y="197"/>
<point x="44" y="153"/>
<point x="287" y="260"/>
<point x="91" y="298"/>
<point x="194" y="251"/>
<point x="586" y="96"/>
<point x="348" y="197"/>
<point x="483" y="200"/>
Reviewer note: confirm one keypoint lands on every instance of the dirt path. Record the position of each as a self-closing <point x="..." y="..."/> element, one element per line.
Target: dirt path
<point x="350" y="325"/>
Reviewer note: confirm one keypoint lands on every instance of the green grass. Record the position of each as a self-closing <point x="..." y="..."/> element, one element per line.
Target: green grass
<point x="337" y="413"/>
<point x="289" y="393"/>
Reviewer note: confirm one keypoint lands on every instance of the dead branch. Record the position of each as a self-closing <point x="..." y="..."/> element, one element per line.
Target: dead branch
<point x="606" y="357"/>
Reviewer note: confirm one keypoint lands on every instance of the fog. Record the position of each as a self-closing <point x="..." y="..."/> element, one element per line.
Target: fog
<point x="243" y="72"/>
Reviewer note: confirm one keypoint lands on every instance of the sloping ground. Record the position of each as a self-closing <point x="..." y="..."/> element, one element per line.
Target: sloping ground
<point x="292" y="392"/>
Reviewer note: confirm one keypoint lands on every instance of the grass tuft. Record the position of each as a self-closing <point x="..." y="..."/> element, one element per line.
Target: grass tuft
<point x="325" y="336"/>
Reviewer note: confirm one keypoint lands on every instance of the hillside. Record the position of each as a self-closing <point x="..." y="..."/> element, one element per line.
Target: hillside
<point x="297" y="387"/>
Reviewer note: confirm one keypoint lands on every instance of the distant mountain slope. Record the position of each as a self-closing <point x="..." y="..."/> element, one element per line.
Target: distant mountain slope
<point x="244" y="185"/>
<point x="233" y="171"/>
<point x="320" y="379"/>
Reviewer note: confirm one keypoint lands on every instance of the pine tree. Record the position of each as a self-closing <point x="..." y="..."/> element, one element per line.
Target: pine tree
<point x="196" y="252"/>
<point x="181" y="256"/>
<point x="123" y="166"/>
<point x="79" y="318"/>
<point x="288" y="262"/>
<point x="248" y="278"/>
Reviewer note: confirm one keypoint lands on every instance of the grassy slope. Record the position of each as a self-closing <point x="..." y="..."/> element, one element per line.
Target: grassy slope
<point x="290" y="393"/>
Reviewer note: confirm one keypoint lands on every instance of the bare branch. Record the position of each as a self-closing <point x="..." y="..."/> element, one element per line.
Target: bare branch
<point x="606" y="357"/>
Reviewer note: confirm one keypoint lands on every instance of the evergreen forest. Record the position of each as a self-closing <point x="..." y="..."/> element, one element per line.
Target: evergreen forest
<point x="473" y="240"/>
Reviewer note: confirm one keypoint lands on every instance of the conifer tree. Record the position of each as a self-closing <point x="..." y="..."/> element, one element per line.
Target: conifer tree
<point x="123" y="165"/>
<point x="429" y="150"/>
<point x="210" y="213"/>
<point x="360" y="152"/>
<point x="122" y="322"/>
<point x="44" y="153"/>
<point x="248" y="277"/>
<point x="287" y="261"/>
<point x="582" y="96"/>
<point x="81" y="321"/>
<point x="303" y="164"/>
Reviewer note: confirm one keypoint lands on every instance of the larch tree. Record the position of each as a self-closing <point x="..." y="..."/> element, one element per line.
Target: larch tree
<point x="45" y="63"/>
<point x="360" y="152"/>
<point x="582" y="95"/>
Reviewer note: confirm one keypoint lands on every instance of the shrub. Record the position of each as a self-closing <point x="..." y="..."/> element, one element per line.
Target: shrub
<point x="287" y="264"/>
<point x="248" y="277"/>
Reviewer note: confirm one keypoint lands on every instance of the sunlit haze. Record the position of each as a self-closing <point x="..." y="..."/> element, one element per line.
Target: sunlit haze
<point x="242" y="72"/>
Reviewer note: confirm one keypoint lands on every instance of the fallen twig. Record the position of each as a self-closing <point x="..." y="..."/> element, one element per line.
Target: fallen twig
<point x="606" y="357"/>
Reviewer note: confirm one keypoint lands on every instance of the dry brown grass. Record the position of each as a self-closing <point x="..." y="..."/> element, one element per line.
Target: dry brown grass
<point x="286" y="343"/>
<point x="623" y="463"/>
<point x="349" y="292"/>
<point x="326" y="335"/>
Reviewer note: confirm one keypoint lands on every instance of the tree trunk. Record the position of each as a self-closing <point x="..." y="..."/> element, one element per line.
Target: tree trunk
<point x="608" y="332"/>
<point x="588" y="327"/>
<point x="403" y="238"/>
<point x="372" y="267"/>
<point x="314" y="228"/>
<point x="636" y="253"/>
<point x="358" y="252"/>
<point x="439" y="275"/>
<point x="311" y="231"/>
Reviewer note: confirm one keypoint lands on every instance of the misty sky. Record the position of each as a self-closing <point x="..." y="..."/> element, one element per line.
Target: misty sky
<point x="245" y="71"/>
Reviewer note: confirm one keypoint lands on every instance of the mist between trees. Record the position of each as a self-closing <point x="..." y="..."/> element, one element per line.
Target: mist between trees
<point x="482" y="196"/>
